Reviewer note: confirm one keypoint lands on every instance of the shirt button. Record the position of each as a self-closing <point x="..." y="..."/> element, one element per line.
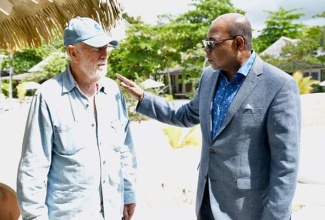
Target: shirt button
<point x="92" y="125"/>
<point x="104" y="161"/>
<point x="104" y="181"/>
<point x="87" y="105"/>
<point x="211" y="151"/>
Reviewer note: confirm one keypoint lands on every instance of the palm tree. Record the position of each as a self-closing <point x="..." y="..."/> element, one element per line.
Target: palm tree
<point x="305" y="84"/>
<point x="181" y="137"/>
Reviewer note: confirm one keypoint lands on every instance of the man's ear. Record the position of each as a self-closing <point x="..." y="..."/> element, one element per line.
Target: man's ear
<point x="72" y="52"/>
<point x="239" y="42"/>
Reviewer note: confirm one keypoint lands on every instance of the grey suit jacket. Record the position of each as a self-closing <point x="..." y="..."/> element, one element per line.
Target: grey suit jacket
<point x="252" y="164"/>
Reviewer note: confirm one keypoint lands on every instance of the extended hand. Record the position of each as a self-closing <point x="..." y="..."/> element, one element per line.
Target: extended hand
<point x="130" y="87"/>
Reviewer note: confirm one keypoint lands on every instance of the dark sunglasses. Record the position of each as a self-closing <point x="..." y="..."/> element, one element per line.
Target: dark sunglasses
<point x="211" y="44"/>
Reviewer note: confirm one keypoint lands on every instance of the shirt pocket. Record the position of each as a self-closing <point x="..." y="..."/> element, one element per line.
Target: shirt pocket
<point x="68" y="138"/>
<point x="251" y="115"/>
<point x="117" y="133"/>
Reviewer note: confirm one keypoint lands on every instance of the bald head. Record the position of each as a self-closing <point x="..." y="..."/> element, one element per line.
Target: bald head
<point x="236" y="25"/>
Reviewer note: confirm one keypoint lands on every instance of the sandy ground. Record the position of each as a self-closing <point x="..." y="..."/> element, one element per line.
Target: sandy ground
<point x="167" y="178"/>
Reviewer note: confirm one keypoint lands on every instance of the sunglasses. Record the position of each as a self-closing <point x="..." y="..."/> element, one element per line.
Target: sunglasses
<point x="211" y="44"/>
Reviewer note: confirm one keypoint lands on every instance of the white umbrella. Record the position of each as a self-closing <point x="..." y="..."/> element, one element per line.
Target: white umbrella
<point x="322" y="83"/>
<point x="150" y="83"/>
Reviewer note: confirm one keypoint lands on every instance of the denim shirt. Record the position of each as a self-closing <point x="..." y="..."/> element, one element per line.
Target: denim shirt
<point x="70" y="168"/>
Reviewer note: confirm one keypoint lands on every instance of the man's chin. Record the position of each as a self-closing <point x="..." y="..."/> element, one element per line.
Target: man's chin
<point x="214" y="67"/>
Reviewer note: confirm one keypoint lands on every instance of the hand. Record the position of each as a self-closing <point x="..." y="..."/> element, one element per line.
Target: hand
<point x="130" y="87"/>
<point x="128" y="211"/>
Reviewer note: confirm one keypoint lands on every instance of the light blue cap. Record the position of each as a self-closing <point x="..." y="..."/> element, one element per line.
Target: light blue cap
<point x="87" y="30"/>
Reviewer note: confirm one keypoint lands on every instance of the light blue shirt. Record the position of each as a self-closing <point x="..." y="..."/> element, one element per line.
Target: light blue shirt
<point x="226" y="92"/>
<point x="70" y="167"/>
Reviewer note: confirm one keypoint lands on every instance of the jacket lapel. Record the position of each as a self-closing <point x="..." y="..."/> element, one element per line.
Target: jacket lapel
<point x="245" y="90"/>
<point x="208" y="89"/>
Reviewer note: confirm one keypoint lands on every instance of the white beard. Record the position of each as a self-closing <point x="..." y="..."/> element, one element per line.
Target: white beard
<point x="92" y="70"/>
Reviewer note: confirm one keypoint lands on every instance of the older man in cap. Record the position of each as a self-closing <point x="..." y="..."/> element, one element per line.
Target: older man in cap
<point x="78" y="159"/>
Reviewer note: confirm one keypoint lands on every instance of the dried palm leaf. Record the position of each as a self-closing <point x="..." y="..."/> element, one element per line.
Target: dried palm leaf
<point x="29" y="24"/>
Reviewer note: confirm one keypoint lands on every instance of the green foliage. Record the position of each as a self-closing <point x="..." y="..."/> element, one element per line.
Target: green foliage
<point x="21" y="91"/>
<point x="149" y="49"/>
<point x="205" y="11"/>
<point x="27" y="58"/>
<point x="131" y="20"/>
<point x="169" y="97"/>
<point x="321" y="15"/>
<point x="176" y="41"/>
<point x="182" y="137"/>
<point x="55" y="65"/>
<point x="279" y="23"/>
<point x="23" y="60"/>
<point x="302" y="54"/>
<point x="305" y="84"/>
<point x="190" y="28"/>
<point x="136" y="55"/>
<point x="5" y="88"/>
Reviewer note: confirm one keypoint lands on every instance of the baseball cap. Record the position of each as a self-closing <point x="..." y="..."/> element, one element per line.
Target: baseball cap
<point x="88" y="31"/>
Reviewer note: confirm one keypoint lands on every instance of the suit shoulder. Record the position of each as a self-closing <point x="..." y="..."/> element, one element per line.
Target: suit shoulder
<point x="276" y="72"/>
<point x="208" y="71"/>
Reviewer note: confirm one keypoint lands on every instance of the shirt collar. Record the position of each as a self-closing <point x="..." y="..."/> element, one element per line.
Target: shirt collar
<point x="69" y="82"/>
<point x="244" y="69"/>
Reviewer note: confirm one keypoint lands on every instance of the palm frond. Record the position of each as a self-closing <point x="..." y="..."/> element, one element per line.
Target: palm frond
<point x="182" y="137"/>
<point x="29" y="24"/>
<point x="173" y="134"/>
<point x="305" y="84"/>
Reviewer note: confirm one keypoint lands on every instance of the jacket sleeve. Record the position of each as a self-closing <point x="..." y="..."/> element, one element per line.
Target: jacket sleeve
<point x="283" y="128"/>
<point x="35" y="161"/>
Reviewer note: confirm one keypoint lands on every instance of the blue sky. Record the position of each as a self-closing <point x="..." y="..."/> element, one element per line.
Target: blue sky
<point x="255" y="10"/>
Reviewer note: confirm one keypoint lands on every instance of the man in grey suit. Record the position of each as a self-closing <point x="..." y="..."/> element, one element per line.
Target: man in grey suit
<point x="250" y="117"/>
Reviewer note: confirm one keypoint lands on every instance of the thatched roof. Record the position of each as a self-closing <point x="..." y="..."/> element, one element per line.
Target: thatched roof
<point x="28" y="23"/>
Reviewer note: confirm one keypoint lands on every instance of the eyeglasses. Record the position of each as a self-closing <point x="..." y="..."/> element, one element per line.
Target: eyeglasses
<point x="211" y="44"/>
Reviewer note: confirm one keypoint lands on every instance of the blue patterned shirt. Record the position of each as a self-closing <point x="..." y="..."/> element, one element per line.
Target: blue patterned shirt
<point x="225" y="94"/>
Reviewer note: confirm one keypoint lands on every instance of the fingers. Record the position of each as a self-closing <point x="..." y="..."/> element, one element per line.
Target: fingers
<point x="125" y="81"/>
<point x="130" y="86"/>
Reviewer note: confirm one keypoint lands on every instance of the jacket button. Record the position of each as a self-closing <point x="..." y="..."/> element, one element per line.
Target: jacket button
<point x="211" y="151"/>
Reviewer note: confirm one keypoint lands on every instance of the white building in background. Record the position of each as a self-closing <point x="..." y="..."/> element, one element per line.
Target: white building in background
<point x="317" y="71"/>
<point x="276" y="48"/>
